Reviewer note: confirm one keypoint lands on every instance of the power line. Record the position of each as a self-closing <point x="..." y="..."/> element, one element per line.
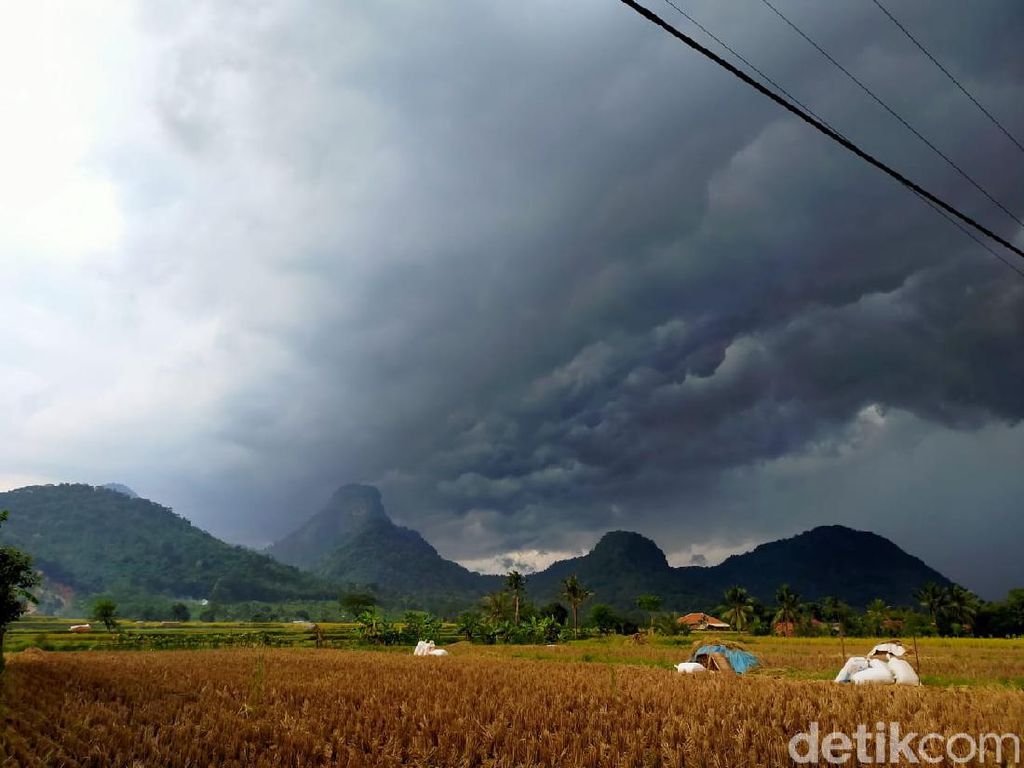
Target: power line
<point x="740" y="56"/>
<point x="893" y="112"/>
<point x="1012" y="265"/>
<point x="931" y="205"/>
<point x="948" y="74"/>
<point x="821" y="127"/>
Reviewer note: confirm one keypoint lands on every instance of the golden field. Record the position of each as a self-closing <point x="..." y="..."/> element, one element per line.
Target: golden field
<point x="593" y="703"/>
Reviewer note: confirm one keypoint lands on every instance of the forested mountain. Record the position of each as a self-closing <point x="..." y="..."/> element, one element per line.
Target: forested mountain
<point x="353" y="541"/>
<point x="855" y="566"/>
<point x="350" y="507"/>
<point x="95" y="540"/>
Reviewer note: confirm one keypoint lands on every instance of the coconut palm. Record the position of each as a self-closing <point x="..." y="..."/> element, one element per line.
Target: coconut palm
<point x="961" y="605"/>
<point x="739" y="607"/>
<point x="574" y="591"/>
<point x="497" y="606"/>
<point x="933" y="599"/>
<point x="515" y="583"/>
<point x="788" y="603"/>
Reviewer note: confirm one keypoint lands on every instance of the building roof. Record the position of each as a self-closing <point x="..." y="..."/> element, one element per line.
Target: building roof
<point x="693" y="619"/>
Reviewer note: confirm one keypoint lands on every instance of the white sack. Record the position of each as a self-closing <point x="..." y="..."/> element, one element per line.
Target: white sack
<point x="903" y="672"/>
<point x="877" y="673"/>
<point x="895" y="649"/>
<point x="426" y="648"/>
<point x="853" y="665"/>
<point x="689" y="667"/>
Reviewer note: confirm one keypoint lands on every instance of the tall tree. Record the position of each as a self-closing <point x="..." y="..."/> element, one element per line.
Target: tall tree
<point x="603" y="618"/>
<point x="651" y="604"/>
<point x="17" y="577"/>
<point x="105" y="612"/>
<point x="739" y="607"/>
<point x="356" y="603"/>
<point x="574" y="591"/>
<point x="468" y="624"/>
<point x="515" y="583"/>
<point x="497" y="606"/>
<point x="961" y="605"/>
<point x="788" y="606"/>
<point x="932" y="598"/>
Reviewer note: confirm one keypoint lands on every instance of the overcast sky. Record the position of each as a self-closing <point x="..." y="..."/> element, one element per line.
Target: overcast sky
<point x="535" y="269"/>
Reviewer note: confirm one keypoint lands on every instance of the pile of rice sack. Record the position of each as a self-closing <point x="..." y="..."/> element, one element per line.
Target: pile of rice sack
<point x="883" y="666"/>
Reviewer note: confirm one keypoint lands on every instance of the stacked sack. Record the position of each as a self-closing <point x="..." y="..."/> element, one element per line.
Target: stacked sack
<point x="883" y="666"/>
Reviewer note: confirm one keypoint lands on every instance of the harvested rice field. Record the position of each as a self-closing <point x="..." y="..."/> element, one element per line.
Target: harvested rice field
<point x="591" y="704"/>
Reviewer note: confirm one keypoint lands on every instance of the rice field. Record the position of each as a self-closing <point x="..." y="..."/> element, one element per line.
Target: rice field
<point x="593" y="703"/>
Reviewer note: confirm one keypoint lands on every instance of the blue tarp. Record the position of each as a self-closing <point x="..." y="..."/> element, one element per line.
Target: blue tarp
<point x="740" y="660"/>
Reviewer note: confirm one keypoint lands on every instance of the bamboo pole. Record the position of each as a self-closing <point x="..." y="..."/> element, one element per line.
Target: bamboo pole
<point x="917" y="656"/>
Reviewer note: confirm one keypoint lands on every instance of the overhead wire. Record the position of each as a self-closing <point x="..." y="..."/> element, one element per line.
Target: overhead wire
<point x="742" y="58"/>
<point x="823" y="128"/>
<point x="948" y="74"/>
<point x="895" y="114"/>
<point x="810" y="111"/>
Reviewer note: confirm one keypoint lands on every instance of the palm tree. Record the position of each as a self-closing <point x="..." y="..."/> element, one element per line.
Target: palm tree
<point x="962" y="605"/>
<point x="515" y="583"/>
<point x="739" y="607"/>
<point x="576" y="594"/>
<point x="789" y="606"/>
<point x="932" y="598"/>
<point x="497" y="606"/>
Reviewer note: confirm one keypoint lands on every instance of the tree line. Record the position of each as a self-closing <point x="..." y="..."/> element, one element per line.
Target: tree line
<point x="508" y="615"/>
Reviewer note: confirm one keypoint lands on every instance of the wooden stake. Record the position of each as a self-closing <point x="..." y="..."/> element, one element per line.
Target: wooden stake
<point x="917" y="656"/>
<point x="842" y="642"/>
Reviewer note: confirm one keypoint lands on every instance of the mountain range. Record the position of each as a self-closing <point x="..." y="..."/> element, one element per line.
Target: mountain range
<point x="101" y="540"/>
<point x="90" y="540"/>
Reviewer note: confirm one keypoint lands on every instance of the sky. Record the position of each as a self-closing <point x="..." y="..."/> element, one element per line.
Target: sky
<point x="536" y="270"/>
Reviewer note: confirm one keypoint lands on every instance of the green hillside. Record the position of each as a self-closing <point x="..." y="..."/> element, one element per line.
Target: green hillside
<point x="90" y="540"/>
<point x="96" y="540"/>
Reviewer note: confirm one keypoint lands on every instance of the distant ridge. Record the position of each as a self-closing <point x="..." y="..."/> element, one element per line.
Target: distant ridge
<point x="353" y="540"/>
<point x="832" y="560"/>
<point x="102" y="540"/>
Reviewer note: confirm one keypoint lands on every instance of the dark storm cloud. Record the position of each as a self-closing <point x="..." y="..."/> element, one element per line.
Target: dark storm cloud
<point x="538" y="270"/>
<point x="614" y="274"/>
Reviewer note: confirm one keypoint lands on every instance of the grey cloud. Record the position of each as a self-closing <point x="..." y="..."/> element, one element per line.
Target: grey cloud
<point x="538" y="271"/>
